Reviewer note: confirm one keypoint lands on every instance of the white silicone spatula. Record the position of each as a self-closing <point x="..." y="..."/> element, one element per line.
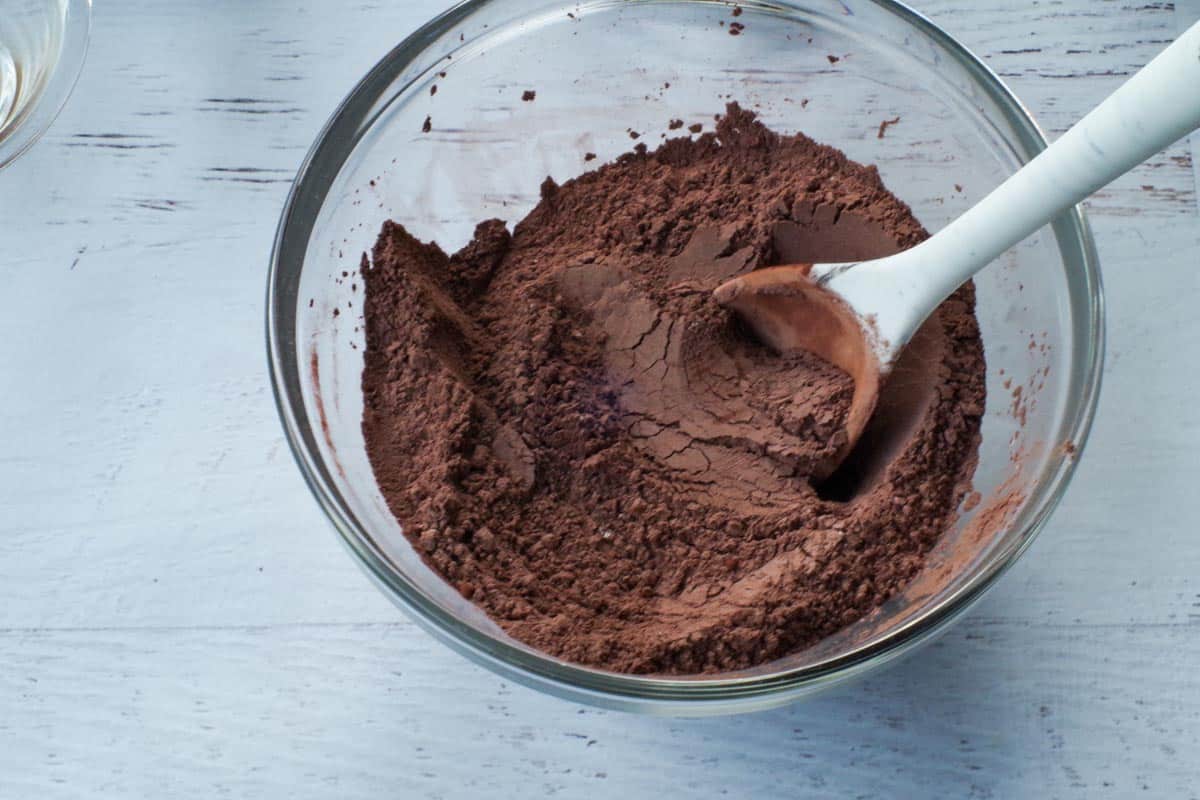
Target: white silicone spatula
<point x="860" y="316"/>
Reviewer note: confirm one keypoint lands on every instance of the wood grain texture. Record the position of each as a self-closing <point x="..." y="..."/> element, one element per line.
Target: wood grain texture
<point x="176" y="619"/>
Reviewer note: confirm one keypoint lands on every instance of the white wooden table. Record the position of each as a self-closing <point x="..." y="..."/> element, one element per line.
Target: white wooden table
<point x="177" y="619"/>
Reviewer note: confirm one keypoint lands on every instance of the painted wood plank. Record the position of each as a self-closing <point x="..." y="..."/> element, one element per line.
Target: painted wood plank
<point x="359" y="711"/>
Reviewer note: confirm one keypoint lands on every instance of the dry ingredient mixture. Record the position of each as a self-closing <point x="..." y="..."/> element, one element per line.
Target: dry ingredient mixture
<point x="578" y="438"/>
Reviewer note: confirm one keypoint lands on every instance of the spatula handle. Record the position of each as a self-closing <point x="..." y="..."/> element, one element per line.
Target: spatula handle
<point x="1159" y="105"/>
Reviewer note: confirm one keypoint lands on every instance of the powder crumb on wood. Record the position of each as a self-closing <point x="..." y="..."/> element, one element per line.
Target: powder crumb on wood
<point x="884" y="125"/>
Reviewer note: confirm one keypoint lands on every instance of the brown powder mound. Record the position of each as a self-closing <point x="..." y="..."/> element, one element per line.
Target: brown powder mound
<point x="577" y="437"/>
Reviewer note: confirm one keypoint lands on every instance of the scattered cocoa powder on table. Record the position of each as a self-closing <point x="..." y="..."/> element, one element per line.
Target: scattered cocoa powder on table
<point x="575" y="435"/>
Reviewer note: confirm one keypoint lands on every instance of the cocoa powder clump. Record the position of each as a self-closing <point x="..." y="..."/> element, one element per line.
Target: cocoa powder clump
<point x="574" y="435"/>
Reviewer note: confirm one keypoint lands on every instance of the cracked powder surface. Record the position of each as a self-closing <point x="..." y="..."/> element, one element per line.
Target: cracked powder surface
<point x="586" y="446"/>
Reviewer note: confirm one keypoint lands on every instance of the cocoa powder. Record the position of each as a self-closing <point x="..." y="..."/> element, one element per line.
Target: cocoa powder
<point x="577" y="437"/>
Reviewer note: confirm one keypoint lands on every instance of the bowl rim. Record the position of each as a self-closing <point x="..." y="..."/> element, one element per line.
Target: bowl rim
<point x="77" y="31"/>
<point x="654" y="694"/>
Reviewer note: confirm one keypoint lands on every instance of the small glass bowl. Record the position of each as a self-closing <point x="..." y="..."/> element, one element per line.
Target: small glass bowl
<point x="834" y="69"/>
<point x="43" y="44"/>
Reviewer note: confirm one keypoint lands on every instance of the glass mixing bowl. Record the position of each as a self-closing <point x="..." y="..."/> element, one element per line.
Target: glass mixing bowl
<point x="42" y="47"/>
<point x="834" y="69"/>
